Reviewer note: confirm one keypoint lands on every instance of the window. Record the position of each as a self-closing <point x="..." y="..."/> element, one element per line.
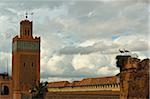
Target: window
<point x="25" y="32"/>
<point x="24" y="64"/>
<point x="28" y="33"/>
<point x="32" y="64"/>
<point x="5" y="90"/>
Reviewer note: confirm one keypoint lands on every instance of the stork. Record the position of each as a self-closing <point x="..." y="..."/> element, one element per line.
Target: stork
<point x="126" y="51"/>
<point x="121" y="51"/>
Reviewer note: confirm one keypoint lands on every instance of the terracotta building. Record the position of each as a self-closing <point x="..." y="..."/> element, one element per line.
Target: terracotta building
<point x="103" y="83"/>
<point x="25" y="60"/>
<point x="87" y="88"/>
<point x="5" y="86"/>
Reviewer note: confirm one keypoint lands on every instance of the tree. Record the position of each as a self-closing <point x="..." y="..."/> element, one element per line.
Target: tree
<point x="38" y="92"/>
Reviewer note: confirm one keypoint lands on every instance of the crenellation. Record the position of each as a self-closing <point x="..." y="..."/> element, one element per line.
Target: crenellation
<point x="132" y="63"/>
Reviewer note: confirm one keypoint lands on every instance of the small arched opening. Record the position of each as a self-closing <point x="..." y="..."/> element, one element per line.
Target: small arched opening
<point x="5" y="90"/>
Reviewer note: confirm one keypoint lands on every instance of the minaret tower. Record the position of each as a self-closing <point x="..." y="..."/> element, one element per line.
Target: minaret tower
<point x="25" y="60"/>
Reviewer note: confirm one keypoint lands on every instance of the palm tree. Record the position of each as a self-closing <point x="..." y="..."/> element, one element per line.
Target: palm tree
<point x="38" y="92"/>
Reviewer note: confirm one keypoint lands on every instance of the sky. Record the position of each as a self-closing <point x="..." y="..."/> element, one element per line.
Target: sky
<point x="79" y="38"/>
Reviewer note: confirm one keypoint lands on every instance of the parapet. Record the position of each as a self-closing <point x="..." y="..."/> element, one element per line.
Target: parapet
<point x="144" y="64"/>
<point x="122" y="60"/>
<point x="85" y="82"/>
<point x="128" y="62"/>
<point x="34" y="39"/>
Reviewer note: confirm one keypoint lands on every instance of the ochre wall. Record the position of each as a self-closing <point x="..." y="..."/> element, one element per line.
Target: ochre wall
<point x="112" y="87"/>
<point x="83" y="95"/>
<point x="8" y="83"/>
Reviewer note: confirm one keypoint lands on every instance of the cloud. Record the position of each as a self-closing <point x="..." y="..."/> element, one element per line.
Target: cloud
<point x="77" y="66"/>
<point x="106" y="46"/>
<point x="107" y="71"/>
<point x="78" y="38"/>
<point x="58" y="66"/>
<point x="5" y="63"/>
<point x="133" y="43"/>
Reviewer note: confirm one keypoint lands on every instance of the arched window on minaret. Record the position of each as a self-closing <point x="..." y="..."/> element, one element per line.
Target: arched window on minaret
<point x="28" y="33"/>
<point x="25" y="32"/>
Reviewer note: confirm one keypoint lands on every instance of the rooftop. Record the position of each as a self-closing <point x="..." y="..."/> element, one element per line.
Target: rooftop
<point x="84" y="82"/>
<point x="4" y="75"/>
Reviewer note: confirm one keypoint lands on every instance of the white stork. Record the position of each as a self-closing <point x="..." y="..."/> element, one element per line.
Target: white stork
<point x="121" y="51"/>
<point x="126" y="51"/>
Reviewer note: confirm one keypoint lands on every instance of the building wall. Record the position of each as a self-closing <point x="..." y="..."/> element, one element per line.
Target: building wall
<point x="134" y="77"/>
<point x="8" y="83"/>
<point x="112" y="87"/>
<point x="83" y="95"/>
<point x="101" y="91"/>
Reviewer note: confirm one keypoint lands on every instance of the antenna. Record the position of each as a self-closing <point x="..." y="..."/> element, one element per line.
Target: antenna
<point x="28" y="14"/>
<point x="31" y="15"/>
<point x="7" y="66"/>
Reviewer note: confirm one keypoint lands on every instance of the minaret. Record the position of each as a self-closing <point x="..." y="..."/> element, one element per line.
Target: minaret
<point x="25" y="60"/>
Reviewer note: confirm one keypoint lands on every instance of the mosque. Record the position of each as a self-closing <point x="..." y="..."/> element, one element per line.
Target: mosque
<point x="25" y="64"/>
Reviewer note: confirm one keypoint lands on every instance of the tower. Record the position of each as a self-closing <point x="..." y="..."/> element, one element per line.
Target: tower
<point x="25" y="60"/>
<point x="134" y="77"/>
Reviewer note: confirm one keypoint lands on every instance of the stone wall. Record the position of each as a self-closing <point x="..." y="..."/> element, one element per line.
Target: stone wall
<point x="134" y="77"/>
<point x="88" y="88"/>
<point x="83" y="95"/>
<point x="5" y="81"/>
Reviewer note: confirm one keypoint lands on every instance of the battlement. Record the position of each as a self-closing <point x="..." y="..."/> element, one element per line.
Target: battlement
<point x="128" y="62"/>
<point x="26" y="21"/>
<point x="34" y="39"/>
